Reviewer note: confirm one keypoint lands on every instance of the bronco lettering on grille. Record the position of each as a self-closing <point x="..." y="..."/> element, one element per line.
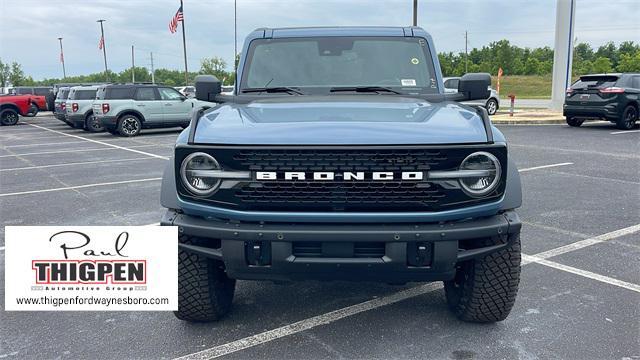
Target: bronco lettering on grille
<point x="346" y="175"/>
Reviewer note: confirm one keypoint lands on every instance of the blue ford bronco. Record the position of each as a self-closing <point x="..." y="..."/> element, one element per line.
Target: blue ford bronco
<point x="340" y="157"/>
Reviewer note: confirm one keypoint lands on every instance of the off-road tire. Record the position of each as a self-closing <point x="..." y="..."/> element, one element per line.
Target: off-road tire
<point x="9" y="117"/>
<point x="574" y="122"/>
<point x="205" y="293"/>
<point x="129" y="125"/>
<point x="628" y="119"/>
<point x="484" y="289"/>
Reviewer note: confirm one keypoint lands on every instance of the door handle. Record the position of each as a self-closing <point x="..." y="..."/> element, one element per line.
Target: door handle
<point x="168" y="104"/>
<point x="141" y="105"/>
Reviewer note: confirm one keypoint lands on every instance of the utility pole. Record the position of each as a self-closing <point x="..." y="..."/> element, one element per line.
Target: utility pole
<point x="184" y="47"/>
<point x="133" y="66"/>
<point x="466" y="55"/>
<point x="104" y="48"/>
<point x="415" y="12"/>
<point x="64" y="72"/>
<point x="153" y="72"/>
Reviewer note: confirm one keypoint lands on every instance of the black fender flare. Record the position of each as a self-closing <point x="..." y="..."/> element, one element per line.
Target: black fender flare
<point x="168" y="189"/>
<point x="513" y="191"/>
<point x="131" y="111"/>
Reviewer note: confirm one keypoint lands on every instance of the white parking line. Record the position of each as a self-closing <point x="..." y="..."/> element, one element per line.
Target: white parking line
<point x="76" y="163"/>
<point x="310" y="323"/>
<point x="79" y="187"/>
<point x="43" y="144"/>
<point x="576" y="271"/>
<point x="101" y="142"/>
<point x="544" y="166"/>
<point x="581" y="152"/>
<point x="335" y="315"/>
<point x="82" y="150"/>
<point x="624" y="132"/>
<point x="588" y="242"/>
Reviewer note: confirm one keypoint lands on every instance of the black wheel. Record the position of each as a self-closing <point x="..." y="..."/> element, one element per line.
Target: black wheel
<point x="129" y="125"/>
<point x="92" y="124"/>
<point x="33" y="110"/>
<point x="205" y="293"/>
<point x="492" y="106"/>
<point x="485" y="289"/>
<point x="574" y="122"/>
<point x="9" y="117"/>
<point x="628" y="119"/>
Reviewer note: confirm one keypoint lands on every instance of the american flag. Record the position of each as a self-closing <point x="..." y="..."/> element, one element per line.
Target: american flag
<point x="173" y="24"/>
<point x="101" y="43"/>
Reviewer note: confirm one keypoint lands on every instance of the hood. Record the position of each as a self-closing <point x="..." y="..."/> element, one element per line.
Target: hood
<point x="341" y="120"/>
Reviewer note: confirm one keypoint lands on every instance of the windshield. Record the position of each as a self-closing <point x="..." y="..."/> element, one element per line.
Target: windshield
<point x="403" y="64"/>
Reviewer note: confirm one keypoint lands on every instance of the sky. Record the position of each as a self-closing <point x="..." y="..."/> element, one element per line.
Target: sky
<point x="30" y="29"/>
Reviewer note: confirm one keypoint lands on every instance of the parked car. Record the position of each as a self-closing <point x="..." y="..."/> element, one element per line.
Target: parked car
<point x="227" y="89"/>
<point x="342" y="158"/>
<point x="128" y="108"/>
<point x="188" y="91"/>
<point x="60" y="105"/>
<point x="492" y="103"/>
<point x="611" y="97"/>
<point x="79" y="108"/>
<point x="12" y="106"/>
<point x="46" y="91"/>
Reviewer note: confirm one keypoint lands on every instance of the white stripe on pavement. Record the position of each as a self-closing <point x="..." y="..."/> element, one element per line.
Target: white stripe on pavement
<point x="545" y="166"/>
<point x="43" y="144"/>
<point x="588" y="242"/>
<point x="624" y="132"/>
<point x="82" y="150"/>
<point x="76" y="163"/>
<point x="310" y="323"/>
<point x="79" y="187"/>
<point x="101" y="142"/>
<point x="588" y="274"/>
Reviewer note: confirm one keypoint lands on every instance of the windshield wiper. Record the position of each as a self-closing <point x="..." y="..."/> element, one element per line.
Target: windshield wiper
<point x="376" y="89"/>
<point x="276" y="89"/>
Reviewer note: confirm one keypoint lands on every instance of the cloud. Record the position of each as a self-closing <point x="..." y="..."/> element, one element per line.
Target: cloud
<point x="31" y="27"/>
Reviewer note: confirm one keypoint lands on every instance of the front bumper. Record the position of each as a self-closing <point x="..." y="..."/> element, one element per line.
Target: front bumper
<point x="235" y="243"/>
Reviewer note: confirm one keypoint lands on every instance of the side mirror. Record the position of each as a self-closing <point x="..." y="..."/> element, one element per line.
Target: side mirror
<point x="475" y="86"/>
<point x="207" y="87"/>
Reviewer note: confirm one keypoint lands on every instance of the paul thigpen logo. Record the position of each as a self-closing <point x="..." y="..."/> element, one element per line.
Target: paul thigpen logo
<point x="116" y="269"/>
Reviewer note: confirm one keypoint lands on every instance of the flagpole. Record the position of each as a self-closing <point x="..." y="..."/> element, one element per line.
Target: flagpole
<point x="104" y="49"/>
<point x="184" y="48"/>
<point x="64" y="72"/>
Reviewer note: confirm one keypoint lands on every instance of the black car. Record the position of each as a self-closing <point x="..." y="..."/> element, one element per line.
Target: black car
<point x="611" y="97"/>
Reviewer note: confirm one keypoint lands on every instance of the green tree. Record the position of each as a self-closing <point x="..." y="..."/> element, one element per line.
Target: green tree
<point x="16" y="75"/>
<point x="5" y="71"/>
<point x="629" y="63"/>
<point x="602" y="65"/>
<point x="214" y="66"/>
<point x="609" y="51"/>
<point x="532" y="66"/>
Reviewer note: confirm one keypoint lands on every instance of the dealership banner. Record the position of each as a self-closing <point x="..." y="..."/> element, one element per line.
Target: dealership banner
<point x="89" y="268"/>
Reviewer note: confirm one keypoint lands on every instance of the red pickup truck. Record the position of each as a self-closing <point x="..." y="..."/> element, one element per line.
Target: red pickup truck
<point x="13" y="105"/>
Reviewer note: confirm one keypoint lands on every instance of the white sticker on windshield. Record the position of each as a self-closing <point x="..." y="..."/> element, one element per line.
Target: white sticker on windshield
<point x="408" y="82"/>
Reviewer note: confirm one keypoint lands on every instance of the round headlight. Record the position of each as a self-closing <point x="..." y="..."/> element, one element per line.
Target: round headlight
<point x="192" y="177"/>
<point x="480" y="186"/>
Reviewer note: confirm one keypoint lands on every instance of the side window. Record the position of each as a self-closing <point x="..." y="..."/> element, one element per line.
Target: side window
<point x="635" y="83"/>
<point x="169" y="94"/>
<point x="145" y="94"/>
<point x="452" y="84"/>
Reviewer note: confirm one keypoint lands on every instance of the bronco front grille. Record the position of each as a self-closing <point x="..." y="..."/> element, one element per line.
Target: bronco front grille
<point x="338" y="194"/>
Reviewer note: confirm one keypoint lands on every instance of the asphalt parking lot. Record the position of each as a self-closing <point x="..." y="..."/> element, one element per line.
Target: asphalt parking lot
<point x="579" y="294"/>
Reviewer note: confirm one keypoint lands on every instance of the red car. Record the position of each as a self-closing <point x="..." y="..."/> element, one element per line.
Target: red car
<point x="11" y="106"/>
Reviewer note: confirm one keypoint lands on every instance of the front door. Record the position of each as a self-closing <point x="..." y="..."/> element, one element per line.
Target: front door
<point x="176" y="108"/>
<point x="147" y="102"/>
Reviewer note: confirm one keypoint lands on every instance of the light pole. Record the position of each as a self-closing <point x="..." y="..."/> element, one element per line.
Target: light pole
<point x="104" y="48"/>
<point x="415" y="12"/>
<point x="64" y="72"/>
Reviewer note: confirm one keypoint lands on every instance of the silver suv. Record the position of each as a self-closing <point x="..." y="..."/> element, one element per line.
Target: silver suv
<point x="79" y="108"/>
<point x="492" y="103"/>
<point x="59" y="107"/>
<point x="126" y="109"/>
